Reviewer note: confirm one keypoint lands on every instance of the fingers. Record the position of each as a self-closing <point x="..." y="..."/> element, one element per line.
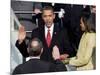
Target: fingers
<point x="56" y="49"/>
<point x="21" y="34"/>
<point x="64" y="56"/>
<point x="21" y="29"/>
<point x="56" y="53"/>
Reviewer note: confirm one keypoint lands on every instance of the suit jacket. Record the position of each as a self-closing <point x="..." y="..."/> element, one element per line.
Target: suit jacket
<point x="39" y="66"/>
<point x="64" y="44"/>
<point x="85" y="56"/>
<point x="47" y="51"/>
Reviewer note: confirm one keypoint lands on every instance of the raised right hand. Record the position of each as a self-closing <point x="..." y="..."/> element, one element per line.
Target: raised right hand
<point x="21" y="34"/>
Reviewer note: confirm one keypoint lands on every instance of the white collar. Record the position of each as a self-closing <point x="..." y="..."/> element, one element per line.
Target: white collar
<point x="28" y="58"/>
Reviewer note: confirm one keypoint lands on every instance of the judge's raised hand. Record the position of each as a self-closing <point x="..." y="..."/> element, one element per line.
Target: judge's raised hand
<point x="21" y="34"/>
<point x="56" y="53"/>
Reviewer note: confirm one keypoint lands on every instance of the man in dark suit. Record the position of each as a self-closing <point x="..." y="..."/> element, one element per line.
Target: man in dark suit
<point x="35" y="65"/>
<point x="48" y="34"/>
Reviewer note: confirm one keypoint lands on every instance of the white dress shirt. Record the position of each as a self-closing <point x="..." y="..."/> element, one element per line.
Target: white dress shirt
<point x="51" y="30"/>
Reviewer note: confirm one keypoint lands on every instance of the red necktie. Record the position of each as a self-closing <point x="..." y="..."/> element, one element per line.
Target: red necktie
<point x="48" y="38"/>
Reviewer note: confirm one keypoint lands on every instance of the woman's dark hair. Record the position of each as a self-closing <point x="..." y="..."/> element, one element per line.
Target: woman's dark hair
<point x="89" y="22"/>
<point x="35" y="50"/>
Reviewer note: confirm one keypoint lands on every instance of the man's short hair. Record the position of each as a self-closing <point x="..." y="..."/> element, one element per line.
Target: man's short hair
<point x="35" y="47"/>
<point x="48" y="8"/>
